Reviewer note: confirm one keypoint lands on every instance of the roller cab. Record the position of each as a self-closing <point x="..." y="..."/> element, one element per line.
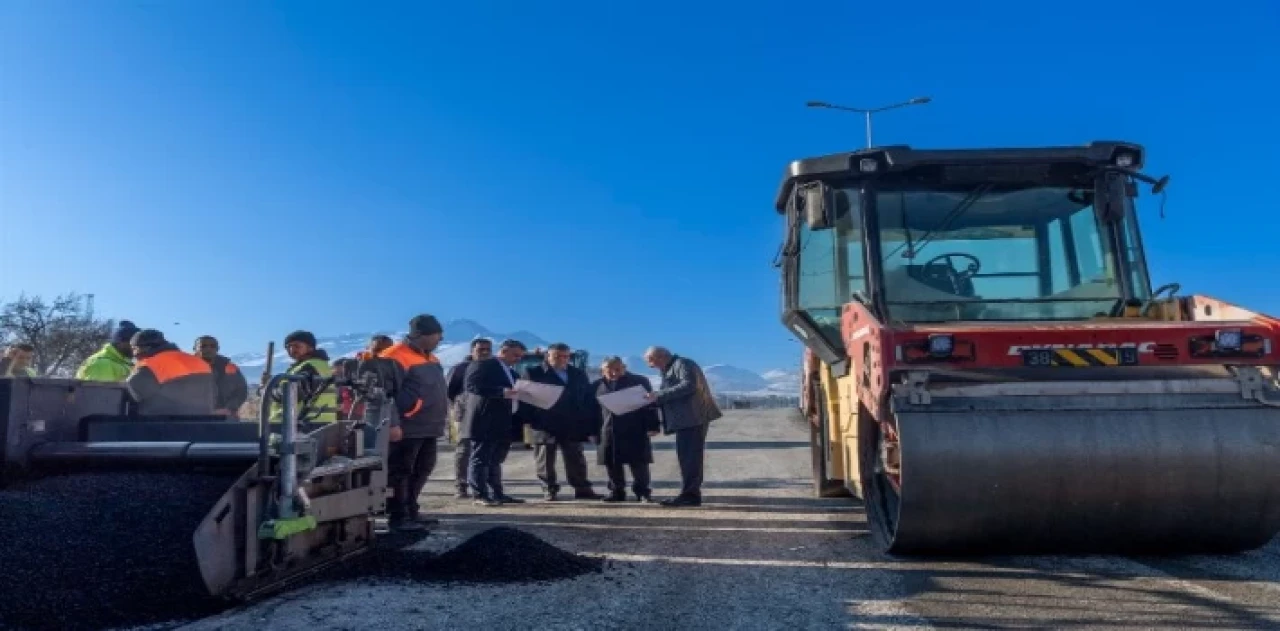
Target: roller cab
<point x="294" y="502"/>
<point x="988" y="367"/>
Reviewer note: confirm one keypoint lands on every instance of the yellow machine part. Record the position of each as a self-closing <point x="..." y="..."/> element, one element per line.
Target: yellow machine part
<point x="839" y="401"/>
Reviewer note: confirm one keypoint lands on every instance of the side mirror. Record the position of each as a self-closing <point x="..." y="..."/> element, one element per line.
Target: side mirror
<point x="818" y="202"/>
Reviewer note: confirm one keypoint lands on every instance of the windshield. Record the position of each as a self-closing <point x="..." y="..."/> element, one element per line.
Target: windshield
<point x="1035" y="253"/>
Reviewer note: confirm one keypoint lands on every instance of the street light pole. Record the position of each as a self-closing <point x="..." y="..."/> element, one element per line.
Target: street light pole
<point x="920" y="100"/>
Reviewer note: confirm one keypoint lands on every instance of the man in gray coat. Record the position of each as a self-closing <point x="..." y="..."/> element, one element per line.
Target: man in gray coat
<point x="687" y="411"/>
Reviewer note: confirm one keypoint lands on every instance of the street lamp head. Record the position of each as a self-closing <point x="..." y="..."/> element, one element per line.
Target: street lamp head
<point x="817" y="104"/>
<point x="920" y="100"/>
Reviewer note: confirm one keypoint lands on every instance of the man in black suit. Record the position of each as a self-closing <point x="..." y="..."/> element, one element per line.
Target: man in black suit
<point x="481" y="349"/>
<point x="565" y="425"/>
<point x="489" y="421"/>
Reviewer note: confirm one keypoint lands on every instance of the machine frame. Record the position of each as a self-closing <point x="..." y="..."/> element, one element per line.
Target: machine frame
<point x="865" y="367"/>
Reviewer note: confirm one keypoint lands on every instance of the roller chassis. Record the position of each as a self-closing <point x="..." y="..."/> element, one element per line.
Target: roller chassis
<point x="886" y="420"/>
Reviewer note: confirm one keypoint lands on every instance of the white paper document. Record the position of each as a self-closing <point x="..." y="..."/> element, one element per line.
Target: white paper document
<point x="538" y="394"/>
<point x="625" y="400"/>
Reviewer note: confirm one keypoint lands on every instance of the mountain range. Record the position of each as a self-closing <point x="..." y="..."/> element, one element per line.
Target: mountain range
<point x="723" y="378"/>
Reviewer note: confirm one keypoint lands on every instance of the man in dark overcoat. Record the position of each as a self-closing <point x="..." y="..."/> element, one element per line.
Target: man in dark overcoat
<point x="624" y="438"/>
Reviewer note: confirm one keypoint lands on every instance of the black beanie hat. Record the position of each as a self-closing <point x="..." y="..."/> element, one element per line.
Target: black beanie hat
<point x="425" y="325"/>
<point x="124" y="332"/>
<point x="148" y="338"/>
<point x="301" y="336"/>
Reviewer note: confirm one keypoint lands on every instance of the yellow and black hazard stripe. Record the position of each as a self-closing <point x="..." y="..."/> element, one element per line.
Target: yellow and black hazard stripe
<point x="1085" y="357"/>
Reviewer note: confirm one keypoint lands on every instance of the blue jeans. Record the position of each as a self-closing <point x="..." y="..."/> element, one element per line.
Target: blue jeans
<point x="484" y="471"/>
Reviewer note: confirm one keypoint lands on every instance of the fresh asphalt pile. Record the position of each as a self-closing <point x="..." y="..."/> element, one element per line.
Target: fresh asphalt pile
<point x="495" y="555"/>
<point x="104" y="549"/>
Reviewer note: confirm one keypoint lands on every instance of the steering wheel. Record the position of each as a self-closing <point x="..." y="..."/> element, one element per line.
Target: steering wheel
<point x="958" y="278"/>
<point x="1172" y="288"/>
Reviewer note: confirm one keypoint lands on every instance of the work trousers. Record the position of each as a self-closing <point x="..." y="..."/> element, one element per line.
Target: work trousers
<point x="690" y="448"/>
<point x="462" y="463"/>
<point x="411" y="462"/>
<point x="575" y="465"/>
<point x="639" y="478"/>
<point x="484" y="472"/>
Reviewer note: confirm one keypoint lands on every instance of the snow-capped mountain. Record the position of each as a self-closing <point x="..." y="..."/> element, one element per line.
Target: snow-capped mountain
<point x="724" y="379"/>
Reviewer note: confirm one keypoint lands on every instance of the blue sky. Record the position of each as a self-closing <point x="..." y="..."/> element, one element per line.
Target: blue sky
<point x="592" y="172"/>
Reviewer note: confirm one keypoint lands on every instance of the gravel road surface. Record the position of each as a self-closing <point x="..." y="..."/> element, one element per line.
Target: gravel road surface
<point x="761" y="553"/>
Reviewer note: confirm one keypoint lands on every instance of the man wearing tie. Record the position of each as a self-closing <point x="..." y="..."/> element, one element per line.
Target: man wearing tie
<point x="489" y="421"/>
<point x="564" y="427"/>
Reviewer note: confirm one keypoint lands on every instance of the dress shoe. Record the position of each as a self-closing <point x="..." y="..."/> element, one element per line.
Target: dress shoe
<point x="550" y="496"/>
<point x="586" y="495"/>
<point x="507" y="499"/>
<point x="682" y="501"/>
<point x="462" y="494"/>
<point x="487" y="502"/>
<point x="614" y="497"/>
<point x="644" y="499"/>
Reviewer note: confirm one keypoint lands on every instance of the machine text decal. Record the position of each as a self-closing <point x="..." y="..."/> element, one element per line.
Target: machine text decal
<point x="1143" y="347"/>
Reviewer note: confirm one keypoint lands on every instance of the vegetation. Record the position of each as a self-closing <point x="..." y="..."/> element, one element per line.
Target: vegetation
<point x="62" y="330"/>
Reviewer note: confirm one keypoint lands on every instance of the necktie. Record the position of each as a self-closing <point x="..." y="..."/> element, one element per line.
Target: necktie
<point x="515" y="405"/>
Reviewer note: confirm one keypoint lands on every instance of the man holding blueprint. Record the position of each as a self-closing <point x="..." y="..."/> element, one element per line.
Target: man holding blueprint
<point x="563" y="425"/>
<point x="627" y="423"/>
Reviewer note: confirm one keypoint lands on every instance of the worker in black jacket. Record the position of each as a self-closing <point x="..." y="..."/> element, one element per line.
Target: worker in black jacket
<point x="565" y="426"/>
<point x="421" y="398"/>
<point x="233" y="389"/>
<point x="481" y="349"/>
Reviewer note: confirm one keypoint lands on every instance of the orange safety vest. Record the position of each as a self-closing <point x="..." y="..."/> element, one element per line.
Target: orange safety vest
<point x="408" y="357"/>
<point x="174" y="364"/>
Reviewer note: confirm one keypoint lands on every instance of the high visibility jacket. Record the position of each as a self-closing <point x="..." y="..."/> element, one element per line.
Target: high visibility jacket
<point x="324" y="407"/>
<point x="10" y="371"/>
<point x="233" y="389"/>
<point x="108" y="364"/>
<point x="421" y="394"/>
<point x="173" y="383"/>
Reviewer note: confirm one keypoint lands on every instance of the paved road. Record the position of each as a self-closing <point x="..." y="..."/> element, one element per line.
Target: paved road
<point x="762" y="554"/>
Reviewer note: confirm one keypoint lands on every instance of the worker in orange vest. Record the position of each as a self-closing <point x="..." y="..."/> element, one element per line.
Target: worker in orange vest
<point x="168" y="382"/>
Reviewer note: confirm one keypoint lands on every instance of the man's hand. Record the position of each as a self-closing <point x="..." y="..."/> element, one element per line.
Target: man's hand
<point x="594" y="439"/>
<point x="650" y="396"/>
<point x="222" y="412"/>
<point x="397" y="434"/>
<point x="653" y="433"/>
<point x="509" y="393"/>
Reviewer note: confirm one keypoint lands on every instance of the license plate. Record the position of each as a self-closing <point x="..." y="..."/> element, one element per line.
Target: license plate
<point x="1079" y="357"/>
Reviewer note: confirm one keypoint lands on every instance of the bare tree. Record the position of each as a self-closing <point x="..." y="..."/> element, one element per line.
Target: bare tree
<point x="62" y="330"/>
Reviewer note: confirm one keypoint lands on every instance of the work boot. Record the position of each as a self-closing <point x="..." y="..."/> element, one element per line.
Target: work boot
<point x="615" y="497"/>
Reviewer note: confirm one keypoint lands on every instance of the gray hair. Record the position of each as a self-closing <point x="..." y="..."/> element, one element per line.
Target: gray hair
<point x="611" y="359"/>
<point x="657" y="351"/>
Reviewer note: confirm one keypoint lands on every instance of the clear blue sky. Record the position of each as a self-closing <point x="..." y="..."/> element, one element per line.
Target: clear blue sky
<point x="593" y="173"/>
